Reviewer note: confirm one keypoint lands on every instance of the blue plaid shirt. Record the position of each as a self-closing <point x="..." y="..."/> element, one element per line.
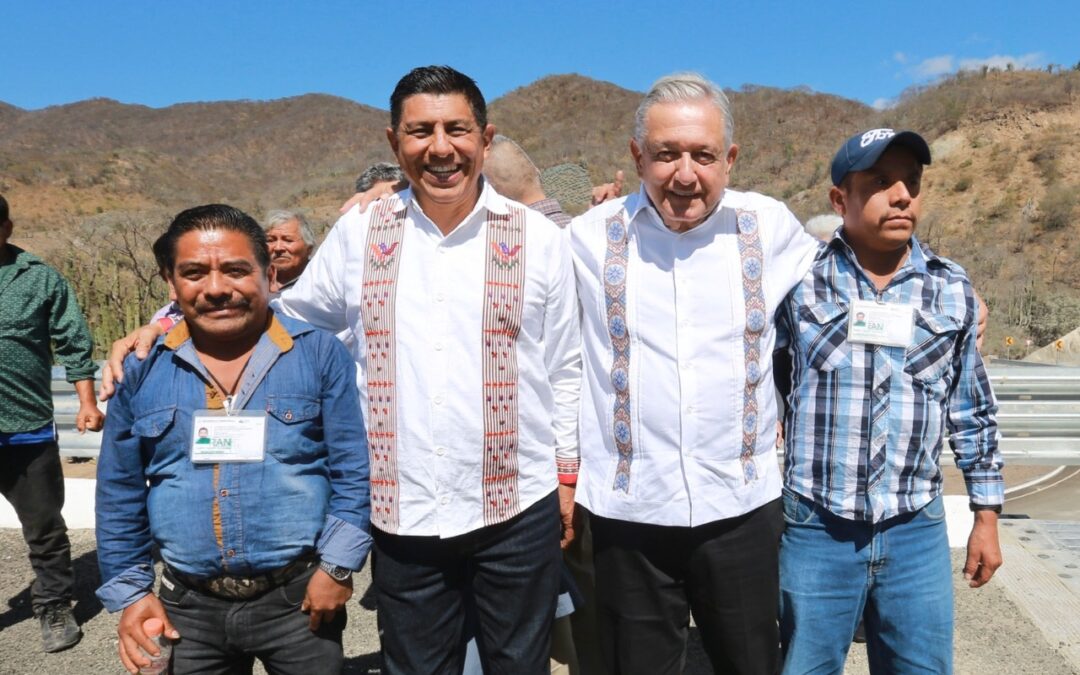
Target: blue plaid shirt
<point x="865" y="423"/>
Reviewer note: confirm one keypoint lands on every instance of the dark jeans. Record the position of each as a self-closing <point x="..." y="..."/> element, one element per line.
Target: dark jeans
<point x="649" y="578"/>
<point x="225" y="636"/>
<point x="508" y="572"/>
<point x="32" y="480"/>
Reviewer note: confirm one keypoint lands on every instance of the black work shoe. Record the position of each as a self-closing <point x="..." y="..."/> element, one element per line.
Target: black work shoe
<point x="59" y="631"/>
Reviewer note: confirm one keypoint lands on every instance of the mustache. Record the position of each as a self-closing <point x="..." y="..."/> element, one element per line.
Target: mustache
<point x="203" y="307"/>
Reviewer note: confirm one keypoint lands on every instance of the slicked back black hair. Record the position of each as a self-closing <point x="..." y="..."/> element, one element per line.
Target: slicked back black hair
<point x="206" y="218"/>
<point x="437" y="80"/>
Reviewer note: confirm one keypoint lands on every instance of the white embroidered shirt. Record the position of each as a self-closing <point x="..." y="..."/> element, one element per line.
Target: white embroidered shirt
<point x="678" y="423"/>
<point x="438" y="469"/>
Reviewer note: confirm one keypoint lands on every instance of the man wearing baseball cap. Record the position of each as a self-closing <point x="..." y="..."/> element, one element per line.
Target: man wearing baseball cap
<point x="869" y="406"/>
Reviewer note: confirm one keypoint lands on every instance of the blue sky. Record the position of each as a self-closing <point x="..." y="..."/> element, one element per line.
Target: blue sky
<point x="158" y="53"/>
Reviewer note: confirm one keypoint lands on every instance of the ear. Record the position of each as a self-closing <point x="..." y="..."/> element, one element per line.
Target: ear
<point x="638" y="155"/>
<point x="488" y="136"/>
<point x="392" y="137"/>
<point x="838" y="199"/>
<point x="729" y="159"/>
<point x="172" y="288"/>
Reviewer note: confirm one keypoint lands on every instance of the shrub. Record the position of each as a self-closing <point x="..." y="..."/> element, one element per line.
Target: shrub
<point x="1058" y="206"/>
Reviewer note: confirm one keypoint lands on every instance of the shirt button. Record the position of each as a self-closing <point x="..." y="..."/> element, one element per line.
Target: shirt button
<point x="444" y="501"/>
<point x="224" y="493"/>
<point x="440" y="451"/>
<point x="690" y="410"/>
<point x="685" y="365"/>
<point x="684" y="323"/>
<point x="230" y="553"/>
<point x="439" y="297"/>
<point x="881" y="389"/>
<point x="438" y="399"/>
<point x="438" y="346"/>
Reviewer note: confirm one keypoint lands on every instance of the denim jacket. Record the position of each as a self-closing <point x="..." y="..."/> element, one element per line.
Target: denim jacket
<point x="311" y="491"/>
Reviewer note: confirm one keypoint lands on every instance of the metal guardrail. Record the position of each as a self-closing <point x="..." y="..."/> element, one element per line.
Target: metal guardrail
<point x="1039" y="414"/>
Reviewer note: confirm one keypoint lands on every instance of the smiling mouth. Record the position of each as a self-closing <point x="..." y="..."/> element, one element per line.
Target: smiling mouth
<point x="443" y="174"/>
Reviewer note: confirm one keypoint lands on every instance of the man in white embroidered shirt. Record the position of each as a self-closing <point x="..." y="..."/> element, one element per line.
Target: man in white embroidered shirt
<point x="463" y="306"/>
<point x="678" y="285"/>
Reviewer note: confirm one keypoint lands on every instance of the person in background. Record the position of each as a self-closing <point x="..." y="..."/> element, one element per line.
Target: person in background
<point x="291" y="243"/>
<point x="40" y="319"/>
<point x="381" y="173"/>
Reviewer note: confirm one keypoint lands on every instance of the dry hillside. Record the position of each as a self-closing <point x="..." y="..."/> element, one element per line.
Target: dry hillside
<point x="91" y="182"/>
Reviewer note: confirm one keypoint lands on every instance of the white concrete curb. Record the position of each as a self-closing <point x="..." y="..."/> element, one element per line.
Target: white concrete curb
<point x="79" y="511"/>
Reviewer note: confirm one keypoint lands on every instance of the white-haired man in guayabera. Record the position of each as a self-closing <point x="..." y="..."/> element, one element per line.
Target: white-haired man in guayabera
<point x="678" y="283"/>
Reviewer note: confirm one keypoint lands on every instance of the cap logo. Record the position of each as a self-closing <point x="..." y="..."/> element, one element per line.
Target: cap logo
<point x="875" y="135"/>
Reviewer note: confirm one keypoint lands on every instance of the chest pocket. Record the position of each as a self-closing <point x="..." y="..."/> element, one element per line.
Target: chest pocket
<point x="153" y="424"/>
<point x="932" y="348"/>
<point x="295" y="432"/>
<point x="823" y="335"/>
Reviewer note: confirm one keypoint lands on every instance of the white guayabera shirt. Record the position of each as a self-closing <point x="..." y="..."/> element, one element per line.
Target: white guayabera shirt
<point x="468" y="354"/>
<point x="678" y="423"/>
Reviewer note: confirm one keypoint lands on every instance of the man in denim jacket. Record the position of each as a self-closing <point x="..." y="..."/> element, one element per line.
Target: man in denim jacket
<point x="882" y="337"/>
<point x="236" y="449"/>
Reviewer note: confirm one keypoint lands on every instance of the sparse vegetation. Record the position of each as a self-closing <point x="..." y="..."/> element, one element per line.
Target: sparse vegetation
<point x="1001" y="195"/>
<point x="1058" y="207"/>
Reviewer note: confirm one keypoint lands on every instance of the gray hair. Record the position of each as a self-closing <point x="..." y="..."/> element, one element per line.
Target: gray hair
<point x="379" y="173"/>
<point x="822" y="227"/>
<point x="281" y="216"/>
<point x="683" y="87"/>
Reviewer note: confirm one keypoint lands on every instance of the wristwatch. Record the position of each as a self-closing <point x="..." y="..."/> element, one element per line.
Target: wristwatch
<point x="336" y="572"/>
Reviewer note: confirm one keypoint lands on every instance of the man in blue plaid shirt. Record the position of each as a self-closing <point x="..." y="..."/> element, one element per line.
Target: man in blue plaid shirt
<point x="882" y="337"/>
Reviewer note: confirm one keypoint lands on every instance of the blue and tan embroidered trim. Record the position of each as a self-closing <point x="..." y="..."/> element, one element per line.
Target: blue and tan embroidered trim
<point x="751" y="257"/>
<point x="615" y="262"/>
<point x="504" y="288"/>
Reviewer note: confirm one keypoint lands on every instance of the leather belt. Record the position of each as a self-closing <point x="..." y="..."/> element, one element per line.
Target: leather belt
<point x="232" y="587"/>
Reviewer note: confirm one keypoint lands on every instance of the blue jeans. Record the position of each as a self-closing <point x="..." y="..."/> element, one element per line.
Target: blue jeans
<point x="895" y="574"/>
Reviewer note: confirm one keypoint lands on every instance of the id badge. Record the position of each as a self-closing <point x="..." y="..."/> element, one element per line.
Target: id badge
<point x="876" y="323"/>
<point x="239" y="437"/>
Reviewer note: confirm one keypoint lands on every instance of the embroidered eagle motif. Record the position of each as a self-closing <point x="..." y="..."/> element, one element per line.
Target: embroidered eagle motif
<point x="505" y="256"/>
<point x="382" y="254"/>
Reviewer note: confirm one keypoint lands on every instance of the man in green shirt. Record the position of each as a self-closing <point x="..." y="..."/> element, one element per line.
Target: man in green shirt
<point x="38" y="309"/>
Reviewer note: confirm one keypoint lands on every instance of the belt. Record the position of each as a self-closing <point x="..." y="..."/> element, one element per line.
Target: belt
<point x="231" y="587"/>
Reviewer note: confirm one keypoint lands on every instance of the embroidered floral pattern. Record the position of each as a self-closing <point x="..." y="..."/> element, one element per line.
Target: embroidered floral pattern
<point x="504" y="284"/>
<point x="751" y="256"/>
<point x="615" y="262"/>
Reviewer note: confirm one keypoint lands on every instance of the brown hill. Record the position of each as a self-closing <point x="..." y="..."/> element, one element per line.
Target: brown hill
<point x="88" y="180"/>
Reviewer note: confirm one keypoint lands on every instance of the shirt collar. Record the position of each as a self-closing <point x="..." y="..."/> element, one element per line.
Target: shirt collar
<point x="276" y="333"/>
<point x="546" y="206"/>
<point x="917" y="261"/>
<point x="490" y="200"/>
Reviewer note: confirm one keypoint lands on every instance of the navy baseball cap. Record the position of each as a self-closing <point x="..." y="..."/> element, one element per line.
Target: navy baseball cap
<point x="861" y="151"/>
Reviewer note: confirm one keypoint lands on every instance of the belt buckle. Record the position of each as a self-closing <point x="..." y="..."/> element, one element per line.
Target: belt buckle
<point x="238" y="588"/>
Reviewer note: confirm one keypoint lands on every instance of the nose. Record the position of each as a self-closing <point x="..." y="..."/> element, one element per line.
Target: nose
<point x="440" y="143"/>
<point x="217" y="285"/>
<point x="899" y="195"/>
<point x="684" y="169"/>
